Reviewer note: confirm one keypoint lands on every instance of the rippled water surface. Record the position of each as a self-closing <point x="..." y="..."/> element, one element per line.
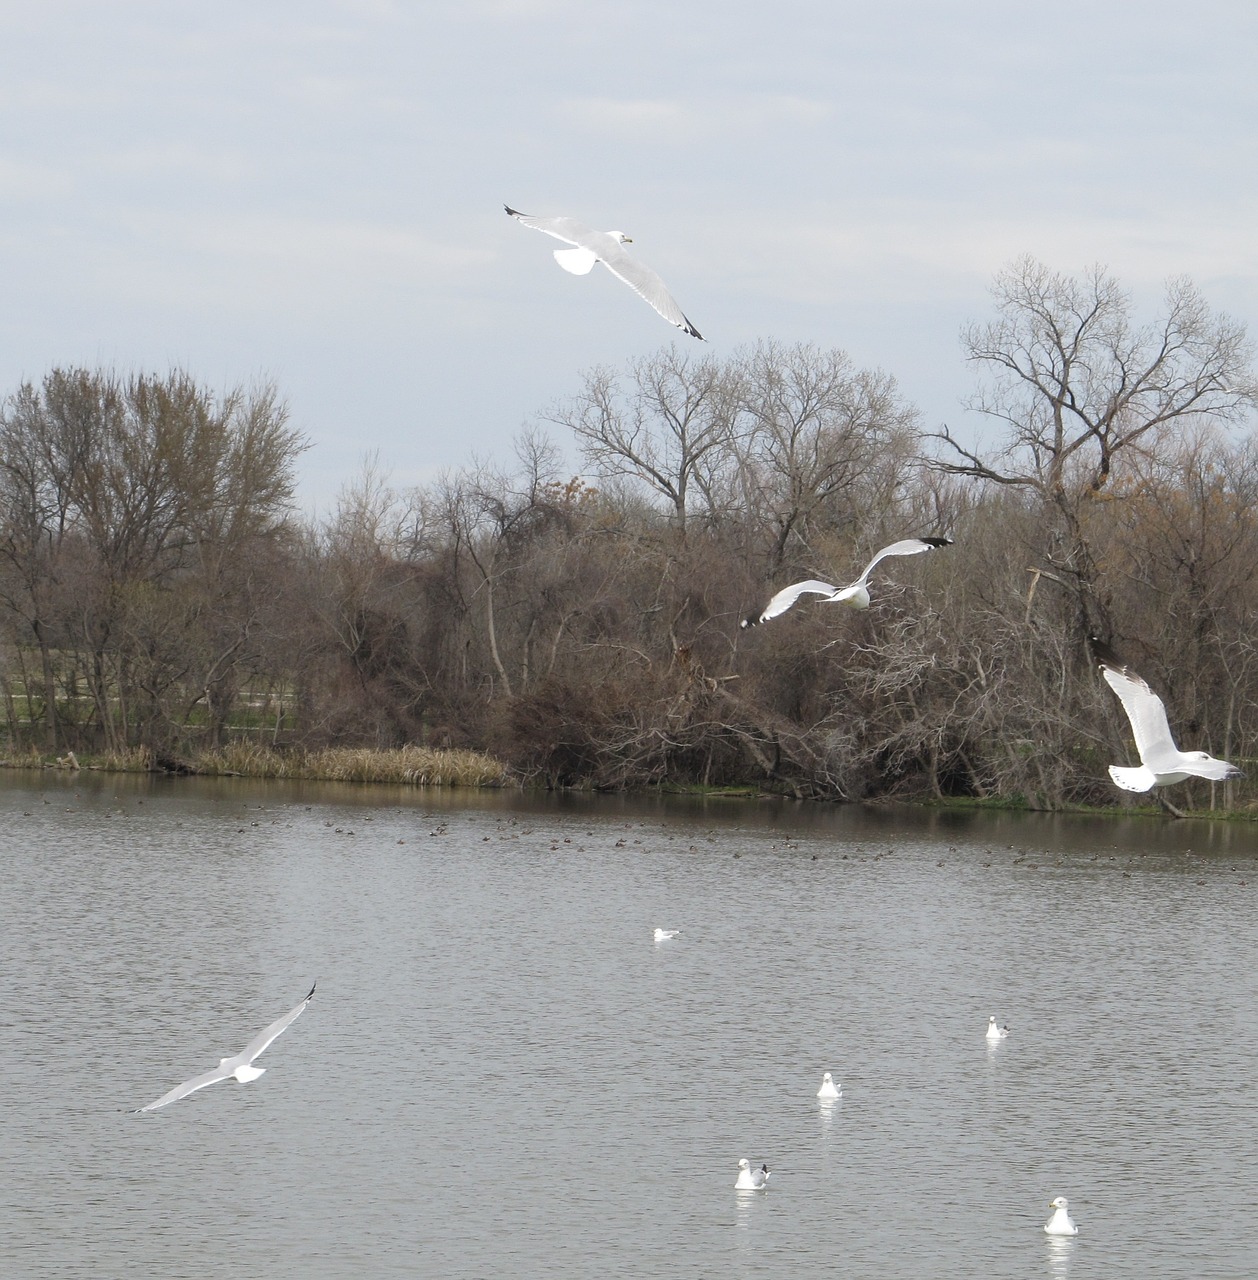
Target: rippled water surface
<point x="501" y="1074"/>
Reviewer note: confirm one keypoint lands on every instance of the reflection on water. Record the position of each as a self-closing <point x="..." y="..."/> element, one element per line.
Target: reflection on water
<point x="1060" y="1250"/>
<point x="499" y="1076"/>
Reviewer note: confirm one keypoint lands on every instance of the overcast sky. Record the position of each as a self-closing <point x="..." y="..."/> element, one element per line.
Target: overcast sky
<point x="310" y="191"/>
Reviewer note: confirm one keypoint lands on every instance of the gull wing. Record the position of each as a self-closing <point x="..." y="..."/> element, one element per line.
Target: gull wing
<point x="648" y="286"/>
<point x="569" y="230"/>
<point x="787" y="597"/>
<point x="264" y="1038"/>
<point x="905" y="547"/>
<point x="1144" y="709"/>
<point x="191" y="1086"/>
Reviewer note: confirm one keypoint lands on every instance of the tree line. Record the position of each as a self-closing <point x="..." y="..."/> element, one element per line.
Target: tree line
<point x="157" y="587"/>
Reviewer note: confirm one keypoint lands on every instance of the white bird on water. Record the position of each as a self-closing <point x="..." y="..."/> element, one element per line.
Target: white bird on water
<point x="605" y="247"/>
<point x="239" y="1066"/>
<point x="1060" y="1224"/>
<point x="993" y="1031"/>
<point x="750" y="1179"/>
<point x="856" y="595"/>
<point x="663" y="935"/>
<point x="828" y="1088"/>
<point x="1161" y="761"/>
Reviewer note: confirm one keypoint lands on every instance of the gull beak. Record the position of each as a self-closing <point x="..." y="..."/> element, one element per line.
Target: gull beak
<point x="628" y="239"/>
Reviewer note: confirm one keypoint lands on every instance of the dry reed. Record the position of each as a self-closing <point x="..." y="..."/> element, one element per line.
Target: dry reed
<point x="410" y="766"/>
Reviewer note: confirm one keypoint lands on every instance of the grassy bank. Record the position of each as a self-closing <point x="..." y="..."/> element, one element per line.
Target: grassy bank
<point x="410" y="766"/>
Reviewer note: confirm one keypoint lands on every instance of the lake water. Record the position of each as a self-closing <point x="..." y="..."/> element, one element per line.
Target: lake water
<point x="501" y="1074"/>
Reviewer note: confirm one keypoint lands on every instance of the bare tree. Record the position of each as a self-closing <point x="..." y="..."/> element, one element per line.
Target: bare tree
<point x="1077" y="384"/>
<point x="660" y="431"/>
<point x="820" y="443"/>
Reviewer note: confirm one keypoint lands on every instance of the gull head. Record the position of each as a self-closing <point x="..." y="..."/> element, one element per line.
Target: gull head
<point x="1060" y="1203"/>
<point x="620" y="237"/>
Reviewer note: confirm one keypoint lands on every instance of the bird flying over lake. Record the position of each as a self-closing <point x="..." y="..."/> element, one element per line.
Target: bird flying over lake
<point x="605" y="247"/>
<point x="856" y="595"/>
<point x="1161" y="761"/>
<point x="239" y="1066"/>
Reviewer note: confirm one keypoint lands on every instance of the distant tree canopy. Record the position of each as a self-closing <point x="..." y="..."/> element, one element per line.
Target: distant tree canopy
<point x="155" y="587"/>
<point x="136" y="518"/>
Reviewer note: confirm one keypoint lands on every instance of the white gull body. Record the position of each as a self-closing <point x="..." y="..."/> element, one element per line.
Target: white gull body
<point x="240" y="1067"/>
<point x="1161" y="761"/>
<point x="856" y="595"/>
<point x="750" y="1179"/>
<point x="1060" y="1223"/>
<point x="994" y="1032"/>
<point x="663" y="935"/>
<point x="605" y="246"/>
<point x="828" y="1088"/>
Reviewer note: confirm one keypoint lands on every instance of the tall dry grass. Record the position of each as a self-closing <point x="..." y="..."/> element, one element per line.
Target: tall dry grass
<point x="411" y="766"/>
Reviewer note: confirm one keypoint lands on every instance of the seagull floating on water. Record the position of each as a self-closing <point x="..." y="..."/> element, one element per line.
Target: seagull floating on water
<point x="993" y="1031"/>
<point x="1060" y="1224"/>
<point x="856" y="595"/>
<point x="1161" y="761"/>
<point x="750" y="1179"/>
<point x="663" y="935"/>
<point x="239" y="1066"/>
<point x="604" y="246"/>
<point x="828" y="1088"/>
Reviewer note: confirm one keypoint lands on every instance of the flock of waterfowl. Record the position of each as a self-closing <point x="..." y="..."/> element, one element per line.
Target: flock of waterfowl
<point x="1161" y="761"/>
<point x="752" y="1179"/>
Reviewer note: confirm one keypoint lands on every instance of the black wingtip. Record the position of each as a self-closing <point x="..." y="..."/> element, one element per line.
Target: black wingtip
<point x="752" y="621"/>
<point x="312" y="991"/>
<point x="515" y="213"/>
<point x="938" y="542"/>
<point x="1104" y="656"/>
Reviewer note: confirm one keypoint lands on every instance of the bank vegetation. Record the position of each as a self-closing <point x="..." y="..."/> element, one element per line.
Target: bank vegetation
<point x="158" y="592"/>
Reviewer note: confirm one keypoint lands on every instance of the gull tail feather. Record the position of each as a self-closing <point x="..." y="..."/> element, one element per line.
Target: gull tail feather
<point x="1135" y="778"/>
<point x="578" y="261"/>
<point x="244" y="1073"/>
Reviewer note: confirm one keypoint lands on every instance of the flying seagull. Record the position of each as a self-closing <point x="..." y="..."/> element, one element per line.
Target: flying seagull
<point x="1061" y="1223"/>
<point x="239" y="1066"/>
<point x="1161" y="761"/>
<point x="604" y="246"/>
<point x="750" y="1179"/>
<point x="857" y="595"/>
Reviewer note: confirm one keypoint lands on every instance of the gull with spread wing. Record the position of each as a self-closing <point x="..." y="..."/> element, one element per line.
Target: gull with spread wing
<point x="856" y="595"/>
<point x="1161" y="761"/>
<point x="240" y="1066"/>
<point x="605" y="246"/>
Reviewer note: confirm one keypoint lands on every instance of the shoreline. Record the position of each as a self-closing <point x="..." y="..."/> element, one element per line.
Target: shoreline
<point x="432" y="767"/>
